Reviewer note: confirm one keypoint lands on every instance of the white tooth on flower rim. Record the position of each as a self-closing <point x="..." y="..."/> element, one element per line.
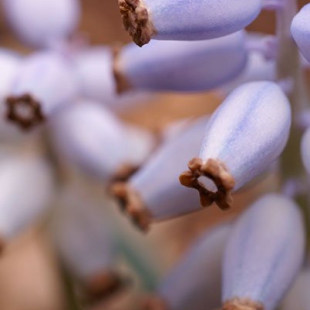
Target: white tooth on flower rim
<point x="195" y="282"/>
<point x="154" y="193"/>
<point x="43" y="83"/>
<point x="180" y="65"/>
<point x="90" y="137"/>
<point x="39" y="23"/>
<point x="263" y="255"/>
<point x="298" y="296"/>
<point x="26" y="192"/>
<point x="244" y="136"/>
<point x="185" y="20"/>
<point x="93" y="68"/>
<point x="84" y="240"/>
<point x="300" y="30"/>
<point x="305" y="149"/>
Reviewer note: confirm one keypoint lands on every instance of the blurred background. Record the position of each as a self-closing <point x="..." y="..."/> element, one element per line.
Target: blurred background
<point x="29" y="278"/>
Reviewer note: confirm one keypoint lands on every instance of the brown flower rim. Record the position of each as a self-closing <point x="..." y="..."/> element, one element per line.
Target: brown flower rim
<point x="136" y="21"/>
<point x="242" y="304"/>
<point x="131" y="203"/>
<point x="25" y="123"/>
<point x="154" y="303"/>
<point x="103" y="286"/>
<point x="122" y="84"/>
<point x="218" y="173"/>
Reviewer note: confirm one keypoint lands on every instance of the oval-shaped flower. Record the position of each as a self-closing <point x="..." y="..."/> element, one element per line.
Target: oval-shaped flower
<point x="244" y="136"/>
<point x="96" y="142"/>
<point x="43" y="83"/>
<point x="186" y="20"/>
<point x="26" y="192"/>
<point x="305" y="149"/>
<point x="181" y="65"/>
<point x="83" y="237"/>
<point x="300" y="30"/>
<point x="9" y="64"/>
<point x="263" y="255"/>
<point x="41" y="23"/>
<point x="195" y="282"/>
<point x="93" y="69"/>
<point x="154" y="193"/>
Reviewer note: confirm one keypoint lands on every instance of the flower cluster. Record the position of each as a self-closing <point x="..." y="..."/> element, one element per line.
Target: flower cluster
<point x="62" y="100"/>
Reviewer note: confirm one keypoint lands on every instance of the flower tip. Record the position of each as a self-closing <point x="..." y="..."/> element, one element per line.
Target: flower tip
<point x="153" y="303"/>
<point x="216" y="172"/>
<point x="131" y="203"/>
<point x="242" y="304"/>
<point x="103" y="286"/>
<point x="136" y="21"/>
<point x="25" y="111"/>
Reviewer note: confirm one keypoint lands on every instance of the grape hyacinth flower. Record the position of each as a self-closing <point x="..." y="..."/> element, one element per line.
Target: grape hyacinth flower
<point x="263" y="255"/>
<point x="185" y="20"/>
<point x="92" y="67"/>
<point x="180" y="65"/>
<point x="42" y="23"/>
<point x="243" y="137"/>
<point x="84" y="241"/>
<point x="21" y="203"/>
<point x="154" y="193"/>
<point x="102" y="147"/>
<point x="43" y="83"/>
<point x="195" y="282"/>
<point x="300" y="30"/>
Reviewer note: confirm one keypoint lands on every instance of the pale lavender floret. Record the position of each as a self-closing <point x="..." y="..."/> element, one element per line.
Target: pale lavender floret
<point x="201" y="19"/>
<point x="305" y="150"/>
<point x="41" y="23"/>
<point x="26" y="192"/>
<point x="249" y="130"/>
<point x="93" y="69"/>
<point x="183" y="66"/>
<point x="83" y="236"/>
<point x="91" y="137"/>
<point x="257" y="69"/>
<point x="298" y="296"/>
<point x="9" y="64"/>
<point x="264" y="252"/>
<point x="48" y="78"/>
<point x="195" y="282"/>
<point x="157" y="182"/>
<point x="300" y="30"/>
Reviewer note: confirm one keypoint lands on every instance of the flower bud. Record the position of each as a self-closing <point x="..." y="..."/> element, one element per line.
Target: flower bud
<point x="300" y="30"/>
<point x="195" y="282"/>
<point x="298" y="296"/>
<point x="43" y="82"/>
<point x="244" y="136"/>
<point x="84" y="240"/>
<point x="40" y="23"/>
<point x="305" y="150"/>
<point x="263" y="255"/>
<point x="26" y="191"/>
<point x="257" y="69"/>
<point x="181" y="65"/>
<point x="93" y="68"/>
<point x="9" y="64"/>
<point x="185" y="20"/>
<point x="92" y="138"/>
<point x="154" y="193"/>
